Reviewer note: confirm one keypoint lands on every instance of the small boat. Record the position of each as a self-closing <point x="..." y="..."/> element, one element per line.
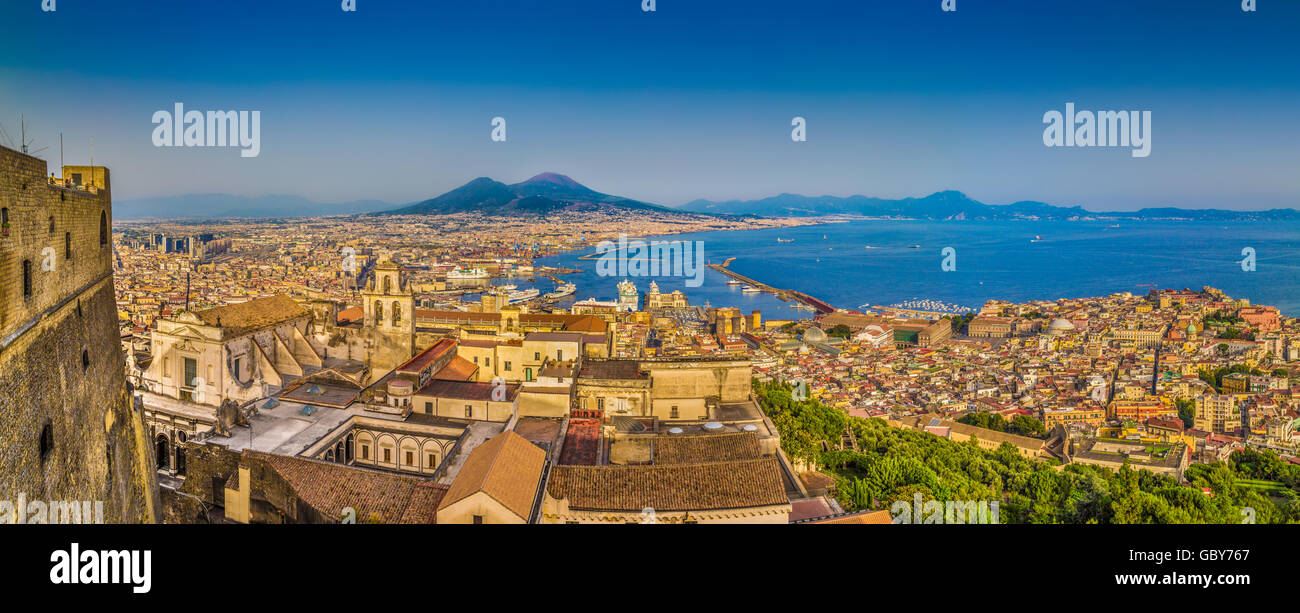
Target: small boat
<point x="915" y="247"/>
<point x="733" y="282"/>
<point x="1036" y="238"/>
<point x="749" y="289"/>
<point x="785" y="240"/>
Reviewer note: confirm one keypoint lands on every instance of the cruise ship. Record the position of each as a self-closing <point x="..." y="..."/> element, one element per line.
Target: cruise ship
<point x="468" y="273"/>
<point x="564" y="290"/>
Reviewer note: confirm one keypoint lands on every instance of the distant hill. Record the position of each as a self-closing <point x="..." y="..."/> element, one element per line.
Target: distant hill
<point x="955" y="205"/>
<point x="551" y="192"/>
<point x="215" y="206"/>
<point x="545" y="193"/>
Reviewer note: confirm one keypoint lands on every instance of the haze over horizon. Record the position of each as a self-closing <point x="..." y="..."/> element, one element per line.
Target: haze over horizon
<point x="668" y="107"/>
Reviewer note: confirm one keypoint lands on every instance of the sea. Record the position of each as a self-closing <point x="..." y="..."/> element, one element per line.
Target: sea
<point x="965" y="263"/>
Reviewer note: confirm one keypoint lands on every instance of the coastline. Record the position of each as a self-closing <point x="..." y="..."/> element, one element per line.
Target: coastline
<point x="998" y="260"/>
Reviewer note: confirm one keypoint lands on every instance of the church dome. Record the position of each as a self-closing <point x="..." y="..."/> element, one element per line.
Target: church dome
<point x="1060" y="326"/>
<point x="814" y="335"/>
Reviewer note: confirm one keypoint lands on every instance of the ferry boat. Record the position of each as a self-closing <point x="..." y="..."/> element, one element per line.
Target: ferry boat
<point x="522" y="295"/>
<point x="564" y="290"/>
<point x="468" y="273"/>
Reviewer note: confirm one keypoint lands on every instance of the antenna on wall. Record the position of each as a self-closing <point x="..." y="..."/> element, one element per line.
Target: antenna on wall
<point x="24" y="144"/>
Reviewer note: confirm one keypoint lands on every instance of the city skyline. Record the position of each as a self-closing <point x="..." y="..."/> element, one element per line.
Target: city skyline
<point x="900" y="99"/>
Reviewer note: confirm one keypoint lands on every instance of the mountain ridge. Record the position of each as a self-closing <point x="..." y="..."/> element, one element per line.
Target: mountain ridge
<point x="954" y="205"/>
<point x="546" y="192"/>
<point x="550" y="192"/>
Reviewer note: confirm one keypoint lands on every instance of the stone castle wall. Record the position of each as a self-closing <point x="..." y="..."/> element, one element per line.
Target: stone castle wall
<point x="68" y="427"/>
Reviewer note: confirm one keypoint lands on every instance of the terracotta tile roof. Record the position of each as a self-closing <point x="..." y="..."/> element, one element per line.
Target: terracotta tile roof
<point x="456" y="317"/>
<point x="329" y="488"/>
<point x="427" y="356"/>
<point x="676" y="487"/>
<point x="697" y="448"/>
<point x="586" y="323"/>
<point x="458" y="369"/>
<point x="260" y="313"/>
<point x="506" y="467"/>
<point x="348" y="315"/>
<point x="423" y="506"/>
<point x="466" y="390"/>
<point x="861" y="517"/>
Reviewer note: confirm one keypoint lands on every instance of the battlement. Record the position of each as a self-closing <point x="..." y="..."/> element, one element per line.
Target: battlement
<point x="55" y="236"/>
<point x="68" y="430"/>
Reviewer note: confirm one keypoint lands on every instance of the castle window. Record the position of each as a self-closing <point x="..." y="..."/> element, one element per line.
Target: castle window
<point x="85" y="359"/>
<point x="47" y="441"/>
<point x="433" y="461"/>
<point x="27" y="278"/>
<point x="469" y="410"/>
<point x="67" y="245"/>
<point x="103" y="228"/>
<point x="397" y="312"/>
<point x="4" y="219"/>
<point x="51" y="224"/>
<point x="365" y="452"/>
<point x="388" y="284"/>
<point x="507" y="365"/>
<point x="379" y="312"/>
<point x="410" y="458"/>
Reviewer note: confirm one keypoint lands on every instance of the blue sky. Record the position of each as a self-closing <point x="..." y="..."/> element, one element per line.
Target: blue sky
<point x="694" y="100"/>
